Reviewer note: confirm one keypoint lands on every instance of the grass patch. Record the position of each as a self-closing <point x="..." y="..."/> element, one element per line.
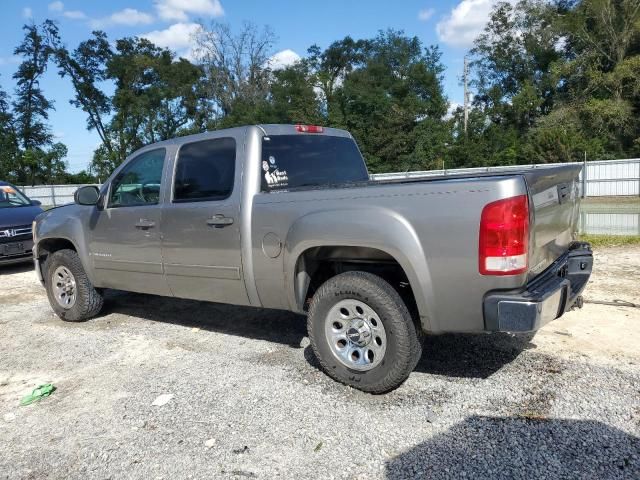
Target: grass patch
<point x="598" y="241"/>
<point x="610" y="200"/>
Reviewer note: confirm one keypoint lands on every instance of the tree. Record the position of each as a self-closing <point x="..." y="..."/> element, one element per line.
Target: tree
<point x="602" y="71"/>
<point x="86" y="67"/>
<point x="8" y="140"/>
<point x="564" y="76"/>
<point x="236" y="72"/>
<point x="155" y="99"/>
<point x="44" y="166"/>
<point x="512" y="60"/>
<point x="293" y="99"/>
<point x="331" y="66"/>
<point x="394" y="103"/>
<point x="31" y="108"/>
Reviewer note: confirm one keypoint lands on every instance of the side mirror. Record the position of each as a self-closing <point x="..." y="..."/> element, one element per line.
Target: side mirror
<point x="36" y="203"/>
<point x="88" y="195"/>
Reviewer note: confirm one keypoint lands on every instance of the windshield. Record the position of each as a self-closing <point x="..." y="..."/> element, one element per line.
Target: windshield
<point x="10" y="197"/>
<point x="292" y="161"/>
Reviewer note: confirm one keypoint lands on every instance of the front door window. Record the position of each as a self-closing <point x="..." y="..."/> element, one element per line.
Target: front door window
<point x="139" y="182"/>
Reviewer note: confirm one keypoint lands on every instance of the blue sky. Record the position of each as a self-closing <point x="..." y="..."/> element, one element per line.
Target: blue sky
<point x="451" y="24"/>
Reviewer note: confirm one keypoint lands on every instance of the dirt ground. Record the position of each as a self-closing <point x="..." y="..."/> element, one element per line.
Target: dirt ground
<point x="608" y="333"/>
<point x="248" y="400"/>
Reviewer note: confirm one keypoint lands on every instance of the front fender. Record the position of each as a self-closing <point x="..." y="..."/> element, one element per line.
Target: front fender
<point x="372" y="227"/>
<point x="64" y="223"/>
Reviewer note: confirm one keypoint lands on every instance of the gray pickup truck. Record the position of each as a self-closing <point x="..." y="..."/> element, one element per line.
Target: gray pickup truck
<point x="286" y="217"/>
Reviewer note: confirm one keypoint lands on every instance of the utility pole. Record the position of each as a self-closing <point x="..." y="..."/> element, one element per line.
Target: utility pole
<point x="465" y="75"/>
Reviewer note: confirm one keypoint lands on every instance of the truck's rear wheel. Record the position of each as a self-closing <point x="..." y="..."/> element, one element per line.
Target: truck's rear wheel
<point x="362" y="333"/>
<point x="71" y="294"/>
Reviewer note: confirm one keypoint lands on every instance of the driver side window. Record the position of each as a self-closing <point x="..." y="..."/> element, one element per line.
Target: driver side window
<point x="139" y="182"/>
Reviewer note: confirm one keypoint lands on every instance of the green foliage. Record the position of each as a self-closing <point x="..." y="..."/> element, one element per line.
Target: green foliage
<point x="600" y="241"/>
<point x="155" y="96"/>
<point x="564" y="75"/>
<point x="43" y="166"/>
<point x="86" y="67"/>
<point x="8" y="139"/>
<point x="31" y="107"/>
<point x="82" y="177"/>
<point x="390" y="100"/>
<point x="236" y="72"/>
<point x="293" y="99"/>
<point x="28" y="154"/>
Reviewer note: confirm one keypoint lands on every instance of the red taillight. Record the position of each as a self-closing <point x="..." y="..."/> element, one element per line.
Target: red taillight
<point x="504" y="237"/>
<point x="309" y="129"/>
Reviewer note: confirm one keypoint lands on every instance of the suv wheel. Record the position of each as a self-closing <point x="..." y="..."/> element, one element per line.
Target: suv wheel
<point x="362" y="333"/>
<point x="71" y="294"/>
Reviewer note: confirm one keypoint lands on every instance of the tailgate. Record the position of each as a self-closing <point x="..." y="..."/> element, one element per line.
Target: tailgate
<point x="555" y="201"/>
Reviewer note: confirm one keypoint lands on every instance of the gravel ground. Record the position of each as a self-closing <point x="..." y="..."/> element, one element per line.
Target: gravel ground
<point x="249" y="402"/>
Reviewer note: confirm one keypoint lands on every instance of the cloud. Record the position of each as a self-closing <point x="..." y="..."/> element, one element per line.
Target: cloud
<point x="465" y="22"/>
<point x="180" y="9"/>
<point x="178" y="37"/>
<point x="128" y="17"/>
<point x="453" y="106"/>
<point x="56" y="7"/>
<point x="14" y="59"/>
<point x="425" y="14"/>
<point x="283" y="59"/>
<point x="131" y="16"/>
<point x="74" y="14"/>
<point x="27" y="12"/>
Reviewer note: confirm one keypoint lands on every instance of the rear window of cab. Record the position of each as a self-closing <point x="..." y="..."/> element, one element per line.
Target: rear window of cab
<point x="296" y="161"/>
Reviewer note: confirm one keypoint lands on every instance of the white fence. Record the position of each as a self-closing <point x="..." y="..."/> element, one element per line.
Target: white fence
<point x="604" y="178"/>
<point x="610" y="216"/>
<point x="613" y="223"/>
<point x="51" y="195"/>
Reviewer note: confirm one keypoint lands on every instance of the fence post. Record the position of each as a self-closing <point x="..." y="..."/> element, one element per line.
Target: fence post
<point x="584" y="176"/>
<point x="53" y="195"/>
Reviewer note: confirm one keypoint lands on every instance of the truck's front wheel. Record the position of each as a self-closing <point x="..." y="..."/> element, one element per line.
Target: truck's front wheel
<point x="362" y="333"/>
<point x="71" y="294"/>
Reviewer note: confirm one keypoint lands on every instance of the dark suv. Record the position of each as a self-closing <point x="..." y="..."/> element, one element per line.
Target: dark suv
<point x="17" y="213"/>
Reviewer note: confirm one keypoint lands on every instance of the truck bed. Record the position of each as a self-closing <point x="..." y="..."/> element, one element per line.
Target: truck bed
<point x="432" y="223"/>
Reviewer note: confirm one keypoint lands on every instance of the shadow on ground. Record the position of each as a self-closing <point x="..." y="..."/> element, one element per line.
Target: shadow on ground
<point x="495" y="447"/>
<point x="462" y="355"/>
<point x="469" y="355"/>
<point x="452" y="355"/>
<point x="16" y="268"/>
<point x="271" y="325"/>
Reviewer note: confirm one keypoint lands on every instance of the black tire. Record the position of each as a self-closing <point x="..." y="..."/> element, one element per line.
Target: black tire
<point x="88" y="301"/>
<point x="404" y="346"/>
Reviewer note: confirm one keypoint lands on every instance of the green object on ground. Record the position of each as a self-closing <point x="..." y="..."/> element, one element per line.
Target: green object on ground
<point x="38" y="394"/>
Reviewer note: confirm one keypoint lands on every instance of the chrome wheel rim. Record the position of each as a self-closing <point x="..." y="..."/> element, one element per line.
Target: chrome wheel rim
<point x="355" y="334"/>
<point x="64" y="287"/>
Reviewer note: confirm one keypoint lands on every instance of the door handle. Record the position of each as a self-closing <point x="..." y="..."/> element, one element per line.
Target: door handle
<point x="145" y="224"/>
<point x="219" y="221"/>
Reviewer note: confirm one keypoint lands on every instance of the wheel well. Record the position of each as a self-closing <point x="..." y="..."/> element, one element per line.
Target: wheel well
<point x="51" y="245"/>
<point x="318" y="264"/>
